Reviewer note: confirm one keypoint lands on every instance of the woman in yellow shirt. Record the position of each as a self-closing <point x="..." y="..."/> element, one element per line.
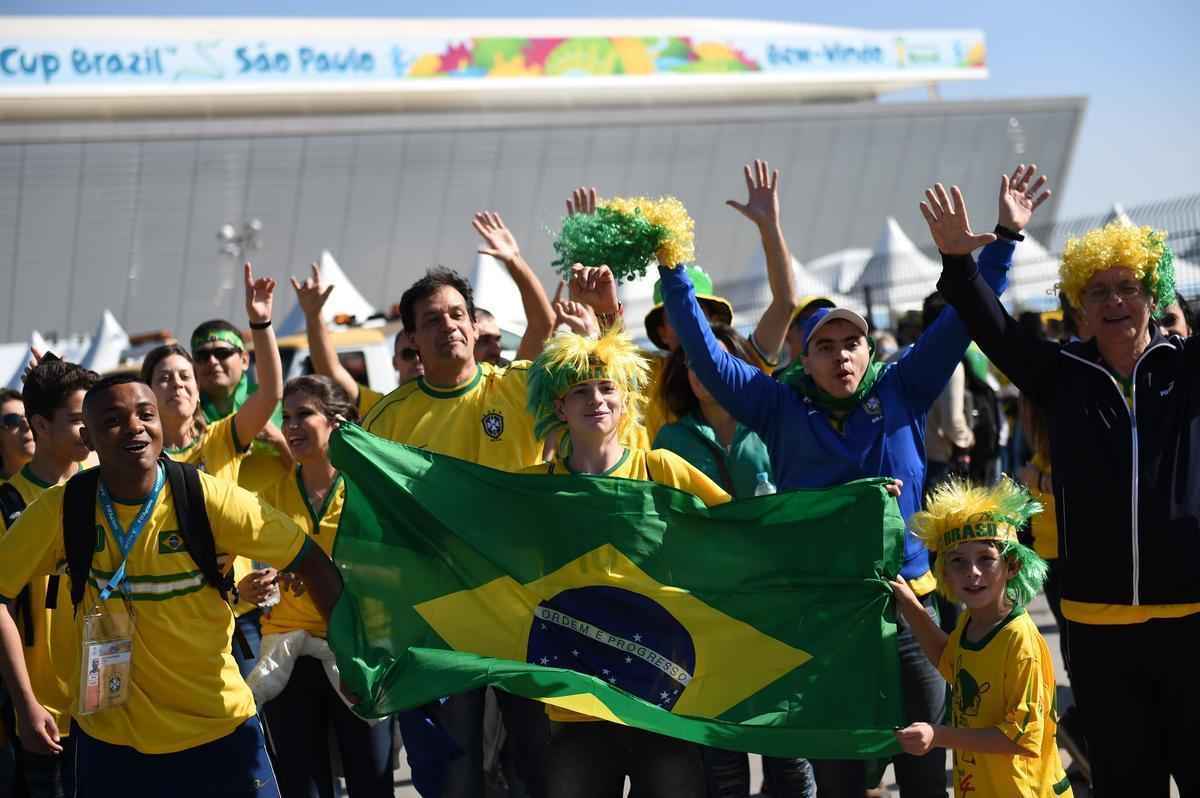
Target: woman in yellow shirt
<point x="594" y="388"/>
<point x="220" y="447"/>
<point x="302" y="715"/>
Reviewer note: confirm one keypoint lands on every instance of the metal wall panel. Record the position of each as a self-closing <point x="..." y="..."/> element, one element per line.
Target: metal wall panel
<point x="83" y="205"/>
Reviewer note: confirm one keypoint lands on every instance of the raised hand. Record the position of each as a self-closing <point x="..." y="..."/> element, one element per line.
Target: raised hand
<point x="1019" y="197"/>
<point x="312" y="293"/>
<point x="260" y="295"/>
<point x="595" y="286"/>
<point x="949" y="224"/>
<point x="498" y="240"/>
<point x="578" y="317"/>
<point x="762" y="202"/>
<point x="583" y="200"/>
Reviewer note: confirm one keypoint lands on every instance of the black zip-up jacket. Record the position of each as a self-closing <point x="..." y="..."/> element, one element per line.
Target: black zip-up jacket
<point x="1126" y="475"/>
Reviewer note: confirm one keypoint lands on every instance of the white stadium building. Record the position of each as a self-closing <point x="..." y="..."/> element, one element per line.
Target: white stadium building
<point x="127" y="145"/>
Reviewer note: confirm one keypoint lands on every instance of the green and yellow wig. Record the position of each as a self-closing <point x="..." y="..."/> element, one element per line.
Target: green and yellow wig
<point x="627" y="234"/>
<point x="569" y="359"/>
<point x="1142" y="250"/>
<point x="959" y="512"/>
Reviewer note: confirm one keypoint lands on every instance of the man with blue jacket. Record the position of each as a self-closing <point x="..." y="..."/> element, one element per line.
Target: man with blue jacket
<point x="848" y="417"/>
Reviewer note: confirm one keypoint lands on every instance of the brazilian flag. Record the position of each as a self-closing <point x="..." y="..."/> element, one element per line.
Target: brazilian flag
<point x="760" y="625"/>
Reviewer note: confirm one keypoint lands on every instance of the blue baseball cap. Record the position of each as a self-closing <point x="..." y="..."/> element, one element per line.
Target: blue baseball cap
<point x="825" y="315"/>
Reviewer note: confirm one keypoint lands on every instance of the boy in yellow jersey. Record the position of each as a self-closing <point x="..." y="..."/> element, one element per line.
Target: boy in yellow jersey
<point x="594" y="388"/>
<point x="187" y="724"/>
<point x="762" y="209"/>
<point x="473" y="411"/>
<point x="1003" y="716"/>
<point x="312" y="294"/>
<point x="53" y="396"/>
<point x="303" y="712"/>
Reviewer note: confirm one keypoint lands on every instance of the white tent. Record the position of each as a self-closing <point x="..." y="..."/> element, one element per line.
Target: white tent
<point x="840" y="270"/>
<point x="36" y="341"/>
<point x="1034" y="277"/>
<point x="344" y="301"/>
<point x="898" y="274"/>
<point x="751" y="295"/>
<point x="1118" y="214"/>
<point x="108" y="343"/>
<point x="496" y="293"/>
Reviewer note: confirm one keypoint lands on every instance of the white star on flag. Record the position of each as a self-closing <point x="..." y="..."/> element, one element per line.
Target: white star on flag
<point x="637" y="638"/>
<point x="575" y="651"/>
<point x="605" y="671"/>
<point x="664" y="695"/>
<point x="629" y="660"/>
<point x="545" y="661"/>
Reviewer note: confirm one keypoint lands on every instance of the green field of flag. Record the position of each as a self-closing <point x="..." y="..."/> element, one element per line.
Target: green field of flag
<point x="762" y="625"/>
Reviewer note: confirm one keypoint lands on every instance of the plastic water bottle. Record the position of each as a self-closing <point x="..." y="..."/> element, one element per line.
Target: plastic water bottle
<point x="763" y="486"/>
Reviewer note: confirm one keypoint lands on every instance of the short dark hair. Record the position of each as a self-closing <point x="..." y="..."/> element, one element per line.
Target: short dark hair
<point x="332" y="398"/>
<point x="676" y="390"/>
<point x="931" y="308"/>
<point x="436" y="278"/>
<point x="9" y="395"/>
<point x="49" y="383"/>
<point x="103" y="384"/>
<point x="214" y="325"/>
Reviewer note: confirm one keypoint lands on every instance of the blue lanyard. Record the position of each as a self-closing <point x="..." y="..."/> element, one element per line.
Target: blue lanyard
<point x="126" y="539"/>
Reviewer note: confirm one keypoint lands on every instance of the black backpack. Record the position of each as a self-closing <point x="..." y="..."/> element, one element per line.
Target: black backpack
<point x="983" y="414"/>
<point x="11" y="506"/>
<point x="79" y="526"/>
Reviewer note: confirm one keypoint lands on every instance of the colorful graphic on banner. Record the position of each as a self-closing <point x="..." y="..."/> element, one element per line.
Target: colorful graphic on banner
<point x="36" y="63"/>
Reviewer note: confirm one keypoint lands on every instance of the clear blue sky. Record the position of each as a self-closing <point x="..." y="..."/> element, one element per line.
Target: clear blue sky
<point x="1137" y="62"/>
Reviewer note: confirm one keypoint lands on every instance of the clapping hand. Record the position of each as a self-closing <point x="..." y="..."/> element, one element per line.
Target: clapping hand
<point x="1019" y="197"/>
<point x="949" y="224"/>
<point x="595" y="286"/>
<point x="762" y="202"/>
<point x="578" y="318"/>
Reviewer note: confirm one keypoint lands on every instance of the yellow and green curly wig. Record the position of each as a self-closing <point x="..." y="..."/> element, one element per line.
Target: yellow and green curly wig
<point x="1142" y="250"/>
<point x="569" y="359"/>
<point x="959" y="512"/>
<point x="627" y="234"/>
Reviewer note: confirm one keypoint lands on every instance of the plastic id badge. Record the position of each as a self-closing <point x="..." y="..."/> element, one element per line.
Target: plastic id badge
<point x="105" y="669"/>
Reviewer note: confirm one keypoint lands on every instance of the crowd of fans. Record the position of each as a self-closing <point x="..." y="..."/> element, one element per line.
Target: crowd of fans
<point x="216" y="579"/>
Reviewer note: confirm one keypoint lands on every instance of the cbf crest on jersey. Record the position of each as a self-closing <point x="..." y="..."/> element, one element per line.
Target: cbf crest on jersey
<point x="493" y="424"/>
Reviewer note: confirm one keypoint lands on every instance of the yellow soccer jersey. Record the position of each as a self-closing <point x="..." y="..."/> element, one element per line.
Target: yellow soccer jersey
<point x="321" y="523"/>
<point x="217" y="451"/>
<point x="186" y="687"/>
<point x="1005" y="681"/>
<point x="367" y="399"/>
<point x="53" y="642"/>
<point x="657" y="465"/>
<point x="483" y="420"/>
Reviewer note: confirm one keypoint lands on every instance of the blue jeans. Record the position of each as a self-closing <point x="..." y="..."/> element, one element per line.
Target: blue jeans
<point x="728" y="775"/>
<point x="235" y="766"/>
<point x="590" y="759"/>
<point x="924" y="694"/>
<point x="301" y="717"/>
<point x="248" y="625"/>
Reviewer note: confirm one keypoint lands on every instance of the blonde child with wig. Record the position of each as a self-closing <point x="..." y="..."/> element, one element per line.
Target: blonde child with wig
<point x="1002" y="712"/>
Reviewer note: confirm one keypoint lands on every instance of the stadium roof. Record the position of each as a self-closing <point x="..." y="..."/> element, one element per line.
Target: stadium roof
<point x="115" y="66"/>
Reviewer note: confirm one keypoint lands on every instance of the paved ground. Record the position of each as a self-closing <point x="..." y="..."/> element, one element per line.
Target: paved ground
<point x="1045" y="621"/>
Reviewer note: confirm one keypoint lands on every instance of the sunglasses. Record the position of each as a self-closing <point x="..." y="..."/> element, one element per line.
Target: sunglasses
<point x="407" y="354"/>
<point x="219" y="352"/>
<point x="12" y="420"/>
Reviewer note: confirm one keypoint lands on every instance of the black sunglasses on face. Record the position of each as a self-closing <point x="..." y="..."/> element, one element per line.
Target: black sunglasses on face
<point x="12" y="420"/>
<point x="219" y="352"/>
